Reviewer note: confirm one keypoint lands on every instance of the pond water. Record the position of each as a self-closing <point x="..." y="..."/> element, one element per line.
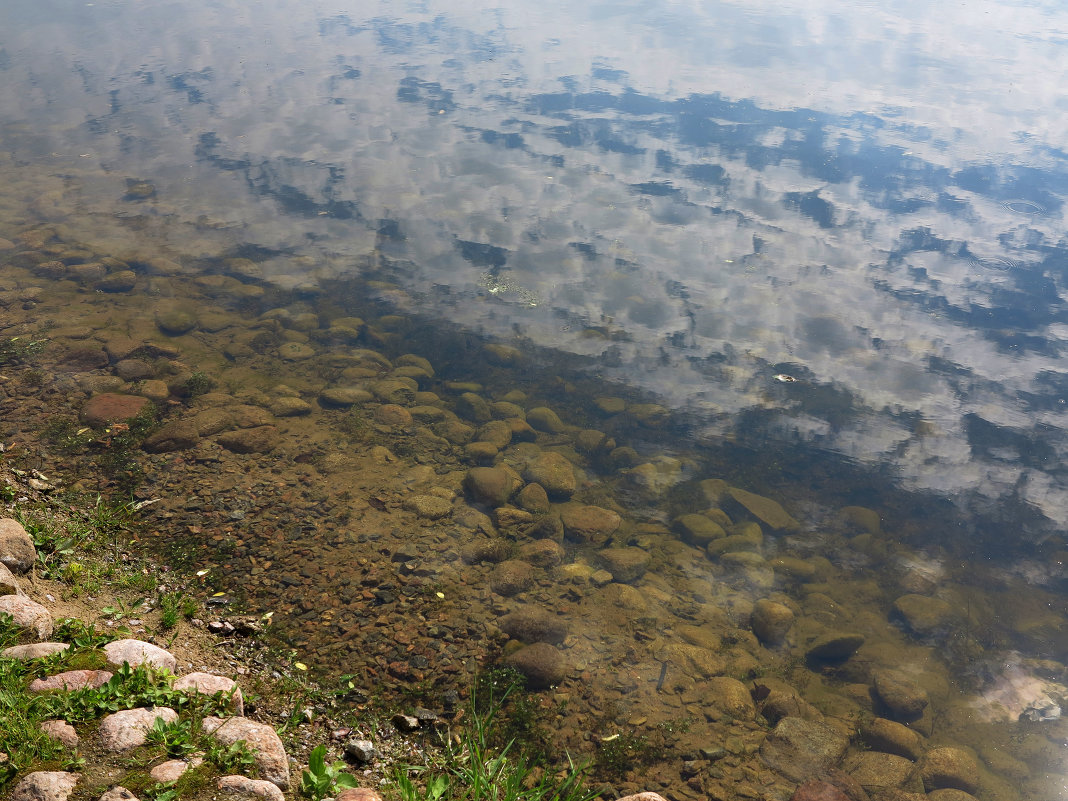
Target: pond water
<point x="815" y="252"/>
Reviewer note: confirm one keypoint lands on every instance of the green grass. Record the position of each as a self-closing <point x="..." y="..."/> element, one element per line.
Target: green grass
<point x="480" y="763"/>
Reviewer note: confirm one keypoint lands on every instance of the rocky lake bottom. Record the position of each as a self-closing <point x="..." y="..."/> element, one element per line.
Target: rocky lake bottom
<point x="412" y="515"/>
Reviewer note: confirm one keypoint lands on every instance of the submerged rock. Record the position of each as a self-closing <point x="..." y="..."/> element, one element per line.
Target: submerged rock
<point x="801" y="748"/>
<point x="530" y="625"/>
<point x="541" y="664"/>
<point x="110" y="407"/>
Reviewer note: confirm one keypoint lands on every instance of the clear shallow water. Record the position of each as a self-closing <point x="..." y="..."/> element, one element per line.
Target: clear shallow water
<point x="867" y="198"/>
<point x="699" y="201"/>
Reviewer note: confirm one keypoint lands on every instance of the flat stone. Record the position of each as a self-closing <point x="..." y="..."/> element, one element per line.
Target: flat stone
<point x="16" y="546"/>
<point x="555" y="474"/>
<point x="800" y="748"/>
<point x="121" y="731"/>
<point x="834" y="646"/>
<point x="62" y="731"/>
<point x="118" y="281"/>
<point x="924" y="615"/>
<point x="816" y="790"/>
<point x="137" y="652"/>
<point x="212" y="421"/>
<point x="765" y="510"/>
<point x="244" y="787"/>
<point x="646" y="796"/>
<point x="429" y="507"/>
<point x="35" y="650"/>
<point x="873" y="769"/>
<point x="694" y="661"/>
<point x="261" y="439"/>
<point x="289" y="407"/>
<point x="111" y="407"/>
<point x="584" y="523"/>
<point x="45" y="785"/>
<point x="344" y="396"/>
<point x="626" y="565"/>
<point x="210" y="684"/>
<point x="178" y="435"/>
<point x="70" y="680"/>
<point x="134" y="370"/>
<point x="261" y="739"/>
<point x="28" y="615"/>
<point x="531" y="624"/>
<point x="698" y="530"/>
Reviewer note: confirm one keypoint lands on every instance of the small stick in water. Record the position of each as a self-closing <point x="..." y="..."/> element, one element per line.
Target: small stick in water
<point x="663" y="675"/>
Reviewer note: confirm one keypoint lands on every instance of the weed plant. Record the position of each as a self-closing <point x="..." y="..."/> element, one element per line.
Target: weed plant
<point x="479" y="765"/>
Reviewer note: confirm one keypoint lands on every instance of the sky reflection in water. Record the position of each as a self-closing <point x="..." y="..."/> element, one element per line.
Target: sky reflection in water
<point x="868" y="197"/>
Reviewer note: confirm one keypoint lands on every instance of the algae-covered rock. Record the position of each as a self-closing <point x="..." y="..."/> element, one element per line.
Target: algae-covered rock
<point x="554" y="472"/>
<point x="771" y="621"/>
<point x="698" y="530"/>
<point x="545" y="419"/>
<point x="541" y="663"/>
<point x="799" y="748"/>
<point x="175" y="320"/>
<point x="492" y="486"/>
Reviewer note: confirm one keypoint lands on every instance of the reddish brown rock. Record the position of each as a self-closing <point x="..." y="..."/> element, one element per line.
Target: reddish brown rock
<point x="260" y="439"/>
<point x="111" y="407"/>
<point x="70" y="680"/>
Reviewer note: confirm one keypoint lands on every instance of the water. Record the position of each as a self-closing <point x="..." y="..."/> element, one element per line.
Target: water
<point x="829" y="240"/>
